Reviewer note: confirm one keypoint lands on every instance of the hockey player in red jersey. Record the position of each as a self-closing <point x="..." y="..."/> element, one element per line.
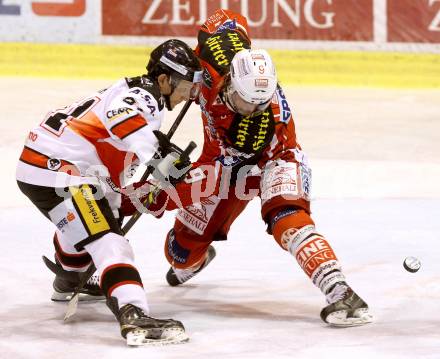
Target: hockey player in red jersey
<point x="250" y="149"/>
<point x="72" y="169"/>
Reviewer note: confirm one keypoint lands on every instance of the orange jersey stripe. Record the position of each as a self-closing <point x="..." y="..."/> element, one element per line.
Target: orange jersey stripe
<point x="34" y="158"/>
<point x="37" y="159"/>
<point x="89" y="126"/>
<point x="128" y="126"/>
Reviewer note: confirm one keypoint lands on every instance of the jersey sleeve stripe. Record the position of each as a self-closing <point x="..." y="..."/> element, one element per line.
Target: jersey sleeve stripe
<point x="34" y="158"/>
<point x="37" y="159"/>
<point x="129" y="126"/>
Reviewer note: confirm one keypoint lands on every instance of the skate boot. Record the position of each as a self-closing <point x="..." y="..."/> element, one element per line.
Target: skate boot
<point x="64" y="288"/>
<point x="346" y="308"/>
<point x="177" y="276"/>
<point x="140" y="329"/>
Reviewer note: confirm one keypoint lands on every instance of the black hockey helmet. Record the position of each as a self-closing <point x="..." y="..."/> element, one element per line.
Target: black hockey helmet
<point x="175" y="59"/>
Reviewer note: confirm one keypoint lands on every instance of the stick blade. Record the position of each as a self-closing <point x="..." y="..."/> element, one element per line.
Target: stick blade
<point x="71" y="307"/>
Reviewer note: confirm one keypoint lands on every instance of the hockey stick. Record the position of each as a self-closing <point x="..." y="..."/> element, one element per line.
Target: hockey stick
<point x="184" y="155"/>
<point x="134" y="218"/>
<point x="73" y="303"/>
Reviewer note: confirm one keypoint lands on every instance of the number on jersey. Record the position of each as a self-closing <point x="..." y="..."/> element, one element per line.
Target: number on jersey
<point x="56" y="121"/>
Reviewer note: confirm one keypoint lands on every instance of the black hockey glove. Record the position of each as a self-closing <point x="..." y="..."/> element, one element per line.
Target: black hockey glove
<point x="170" y="163"/>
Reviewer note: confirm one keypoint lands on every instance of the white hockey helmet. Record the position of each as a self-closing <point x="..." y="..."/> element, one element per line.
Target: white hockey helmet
<point x="253" y="77"/>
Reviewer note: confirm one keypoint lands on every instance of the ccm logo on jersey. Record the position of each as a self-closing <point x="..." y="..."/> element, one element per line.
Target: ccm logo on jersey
<point x="285" y="109"/>
<point x="113" y="114"/>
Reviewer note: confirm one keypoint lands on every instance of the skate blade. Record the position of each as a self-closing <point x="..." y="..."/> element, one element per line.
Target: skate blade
<point x="360" y="316"/>
<point x="67" y="296"/>
<point x="142" y="337"/>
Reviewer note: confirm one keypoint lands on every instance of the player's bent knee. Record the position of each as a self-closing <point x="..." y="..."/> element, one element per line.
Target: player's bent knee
<point x="183" y="252"/>
<point x="176" y="254"/>
<point x="285" y="222"/>
<point x="110" y="249"/>
<point x="68" y="257"/>
<point x="114" y="259"/>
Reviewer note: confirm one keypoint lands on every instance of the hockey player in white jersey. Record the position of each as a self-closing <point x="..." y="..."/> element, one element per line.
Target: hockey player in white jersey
<point x="72" y="169"/>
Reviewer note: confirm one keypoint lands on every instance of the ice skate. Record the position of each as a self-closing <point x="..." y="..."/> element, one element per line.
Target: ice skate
<point x="63" y="289"/>
<point x="346" y="308"/>
<point x="177" y="276"/>
<point x="140" y="329"/>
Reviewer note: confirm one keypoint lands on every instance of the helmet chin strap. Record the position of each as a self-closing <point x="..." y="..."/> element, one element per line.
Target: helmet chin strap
<point x="168" y="97"/>
<point x="168" y="101"/>
<point x="225" y="99"/>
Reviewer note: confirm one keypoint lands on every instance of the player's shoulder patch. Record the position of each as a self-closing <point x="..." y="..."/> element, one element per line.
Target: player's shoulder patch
<point x="146" y="84"/>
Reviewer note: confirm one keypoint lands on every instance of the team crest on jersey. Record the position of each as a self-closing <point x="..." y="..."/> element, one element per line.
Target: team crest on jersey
<point x="53" y="164"/>
<point x="285" y="109"/>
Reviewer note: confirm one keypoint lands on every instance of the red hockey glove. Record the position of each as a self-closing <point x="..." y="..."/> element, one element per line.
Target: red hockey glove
<point x="145" y="197"/>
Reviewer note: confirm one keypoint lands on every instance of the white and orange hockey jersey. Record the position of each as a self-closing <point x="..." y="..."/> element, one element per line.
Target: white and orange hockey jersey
<point x="96" y="137"/>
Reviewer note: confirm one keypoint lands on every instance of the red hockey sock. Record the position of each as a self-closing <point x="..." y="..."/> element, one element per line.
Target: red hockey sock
<point x="295" y="231"/>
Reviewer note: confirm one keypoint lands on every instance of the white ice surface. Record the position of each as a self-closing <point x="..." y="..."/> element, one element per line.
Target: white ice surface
<point x="376" y="200"/>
